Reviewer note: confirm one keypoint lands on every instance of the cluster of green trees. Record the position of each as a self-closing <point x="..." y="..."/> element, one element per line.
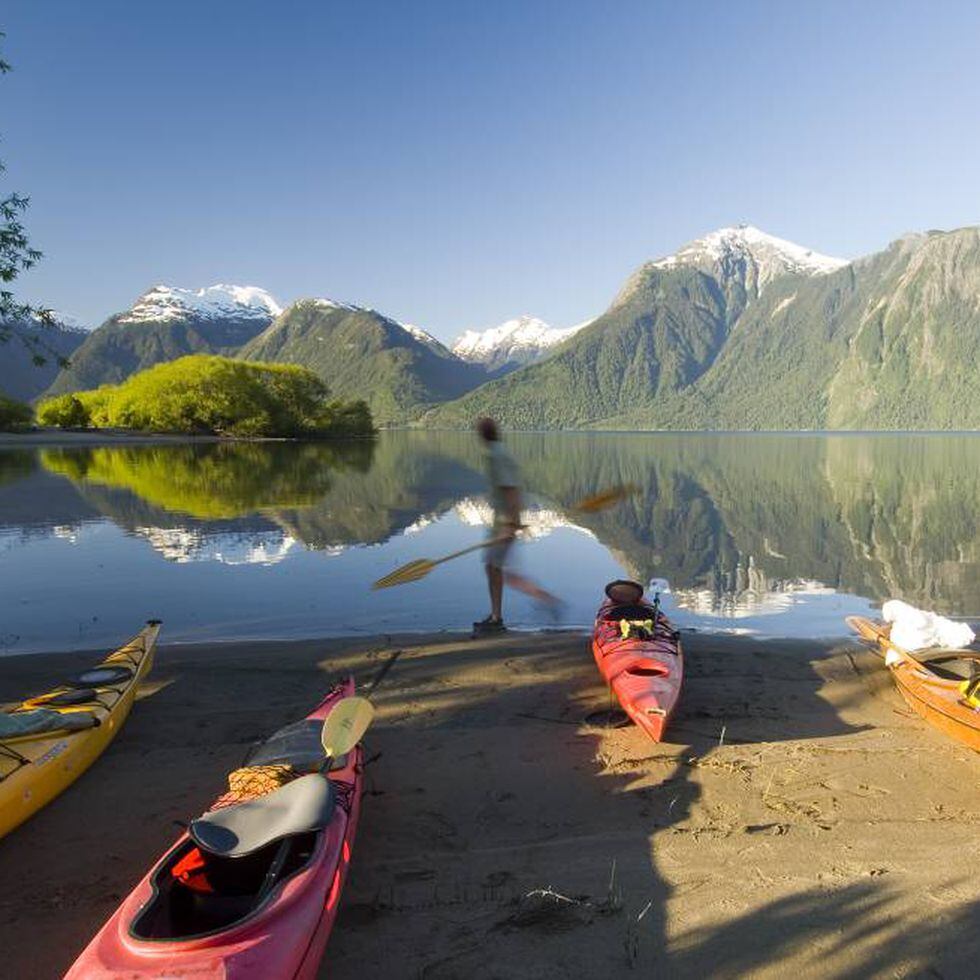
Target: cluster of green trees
<point x="204" y="394"/>
<point x="14" y="415"/>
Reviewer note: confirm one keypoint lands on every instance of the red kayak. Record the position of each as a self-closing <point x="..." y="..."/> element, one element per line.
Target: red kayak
<point x="639" y="654"/>
<point x="252" y="889"/>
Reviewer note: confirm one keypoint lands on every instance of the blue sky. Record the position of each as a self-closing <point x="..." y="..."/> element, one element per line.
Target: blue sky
<point x="454" y="164"/>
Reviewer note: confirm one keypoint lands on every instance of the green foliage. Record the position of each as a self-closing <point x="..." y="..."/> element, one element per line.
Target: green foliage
<point x="64" y="411"/>
<point x="14" y="415"/>
<point x="204" y="394"/>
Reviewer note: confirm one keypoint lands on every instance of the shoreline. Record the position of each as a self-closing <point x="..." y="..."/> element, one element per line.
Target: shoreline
<point x="109" y="437"/>
<point x="408" y="636"/>
<point x="794" y="823"/>
<point x="96" y="437"/>
<point x="70" y="437"/>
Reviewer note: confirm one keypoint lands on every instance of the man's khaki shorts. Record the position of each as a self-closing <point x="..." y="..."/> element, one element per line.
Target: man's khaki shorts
<point x="495" y="556"/>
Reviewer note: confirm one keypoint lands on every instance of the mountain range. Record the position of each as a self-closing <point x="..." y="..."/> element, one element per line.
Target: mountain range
<point x="21" y="377"/>
<point x="737" y="329"/>
<point x="740" y="330"/>
<point x="163" y="324"/>
<point x="399" y="368"/>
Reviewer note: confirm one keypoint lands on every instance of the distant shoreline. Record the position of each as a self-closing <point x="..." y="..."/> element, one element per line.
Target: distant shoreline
<point x="104" y="437"/>
<point x="107" y="437"/>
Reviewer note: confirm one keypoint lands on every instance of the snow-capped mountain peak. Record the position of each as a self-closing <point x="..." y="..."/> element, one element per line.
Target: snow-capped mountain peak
<point x="65" y="321"/>
<point x="770" y="255"/>
<point x="519" y="341"/>
<point x="423" y="336"/>
<point x="220" y="301"/>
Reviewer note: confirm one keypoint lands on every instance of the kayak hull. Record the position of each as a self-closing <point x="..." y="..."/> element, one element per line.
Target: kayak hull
<point x="645" y="674"/>
<point x="284" y="937"/>
<point x="34" y="770"/>
<point x="935" y="698"/>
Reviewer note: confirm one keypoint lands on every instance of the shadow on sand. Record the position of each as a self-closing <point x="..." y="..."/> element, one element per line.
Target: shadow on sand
<point x="503" y="836"/>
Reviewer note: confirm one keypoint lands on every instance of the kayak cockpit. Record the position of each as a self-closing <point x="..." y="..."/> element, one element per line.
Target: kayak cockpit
<point x="233" y="860"/>
<point x="958" y="665"/>
<point x="196" y="893"/>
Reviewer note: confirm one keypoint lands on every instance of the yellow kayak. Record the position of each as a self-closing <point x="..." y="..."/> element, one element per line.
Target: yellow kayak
<point x="47" y="742"/>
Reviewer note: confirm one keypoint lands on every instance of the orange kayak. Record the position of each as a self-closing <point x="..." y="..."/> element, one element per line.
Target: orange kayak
<point x="936" y="684"/>
<point x="639" y="654"/>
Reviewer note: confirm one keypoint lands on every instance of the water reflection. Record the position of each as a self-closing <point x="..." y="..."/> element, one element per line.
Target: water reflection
<point x="744" y="529"/>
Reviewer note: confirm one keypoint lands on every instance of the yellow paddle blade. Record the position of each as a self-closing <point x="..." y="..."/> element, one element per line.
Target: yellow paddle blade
<point x="346" y="723"/>
<point x="600" y="501"/>
<point x="411" y="572"/>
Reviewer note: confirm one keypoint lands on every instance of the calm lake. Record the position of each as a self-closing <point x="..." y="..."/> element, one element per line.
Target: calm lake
<point x="779" y="535"/>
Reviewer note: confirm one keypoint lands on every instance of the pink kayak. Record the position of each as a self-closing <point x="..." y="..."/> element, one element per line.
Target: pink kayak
<point x="252" y="890"/>
<point x="639" y="654"/>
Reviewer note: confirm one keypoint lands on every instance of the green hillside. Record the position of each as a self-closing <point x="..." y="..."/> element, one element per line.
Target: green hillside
<point x="887" y="342"/>
<point x="663" y="331"/>
<point x="362" y="354"/>
<point x="120" y="348"/>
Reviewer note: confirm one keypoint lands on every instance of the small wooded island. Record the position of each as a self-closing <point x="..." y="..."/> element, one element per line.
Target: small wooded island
<point x="205" y="394"/>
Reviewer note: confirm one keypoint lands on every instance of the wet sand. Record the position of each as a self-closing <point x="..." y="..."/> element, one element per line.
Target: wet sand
<point x="800" y="823"/>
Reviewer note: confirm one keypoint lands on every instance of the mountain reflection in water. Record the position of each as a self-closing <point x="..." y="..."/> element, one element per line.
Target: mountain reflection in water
<point x="779" y="534"/>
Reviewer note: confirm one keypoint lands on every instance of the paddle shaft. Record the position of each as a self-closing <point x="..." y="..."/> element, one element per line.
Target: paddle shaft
<point x="466" y="551"/>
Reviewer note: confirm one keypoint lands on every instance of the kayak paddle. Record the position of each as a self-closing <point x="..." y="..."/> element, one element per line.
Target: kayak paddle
<point x="421" y="567"/>
<point x="600" y="501"/>
<point x="345" y="726"/>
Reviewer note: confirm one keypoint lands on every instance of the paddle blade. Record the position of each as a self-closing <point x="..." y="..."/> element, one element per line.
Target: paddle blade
<point x="600" y="501"/>
<point x="345" y="725"/>
<point x="411" y="572"/>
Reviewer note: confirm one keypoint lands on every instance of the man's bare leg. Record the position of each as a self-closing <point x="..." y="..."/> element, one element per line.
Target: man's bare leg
<point x="525" y="585"/>
<point x="495" y="580"/>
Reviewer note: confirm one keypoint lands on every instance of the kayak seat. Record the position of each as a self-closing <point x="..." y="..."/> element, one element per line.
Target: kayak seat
<point x="67" y="699"/>
<point x="301" y="806"/>
<point x="298" y="745"/>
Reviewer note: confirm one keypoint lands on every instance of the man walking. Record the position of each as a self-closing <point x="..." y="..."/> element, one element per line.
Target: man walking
<point x="505" y="499"/>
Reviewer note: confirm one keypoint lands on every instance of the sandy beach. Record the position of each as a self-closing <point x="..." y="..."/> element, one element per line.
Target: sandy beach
<point x="801" y="822"/>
